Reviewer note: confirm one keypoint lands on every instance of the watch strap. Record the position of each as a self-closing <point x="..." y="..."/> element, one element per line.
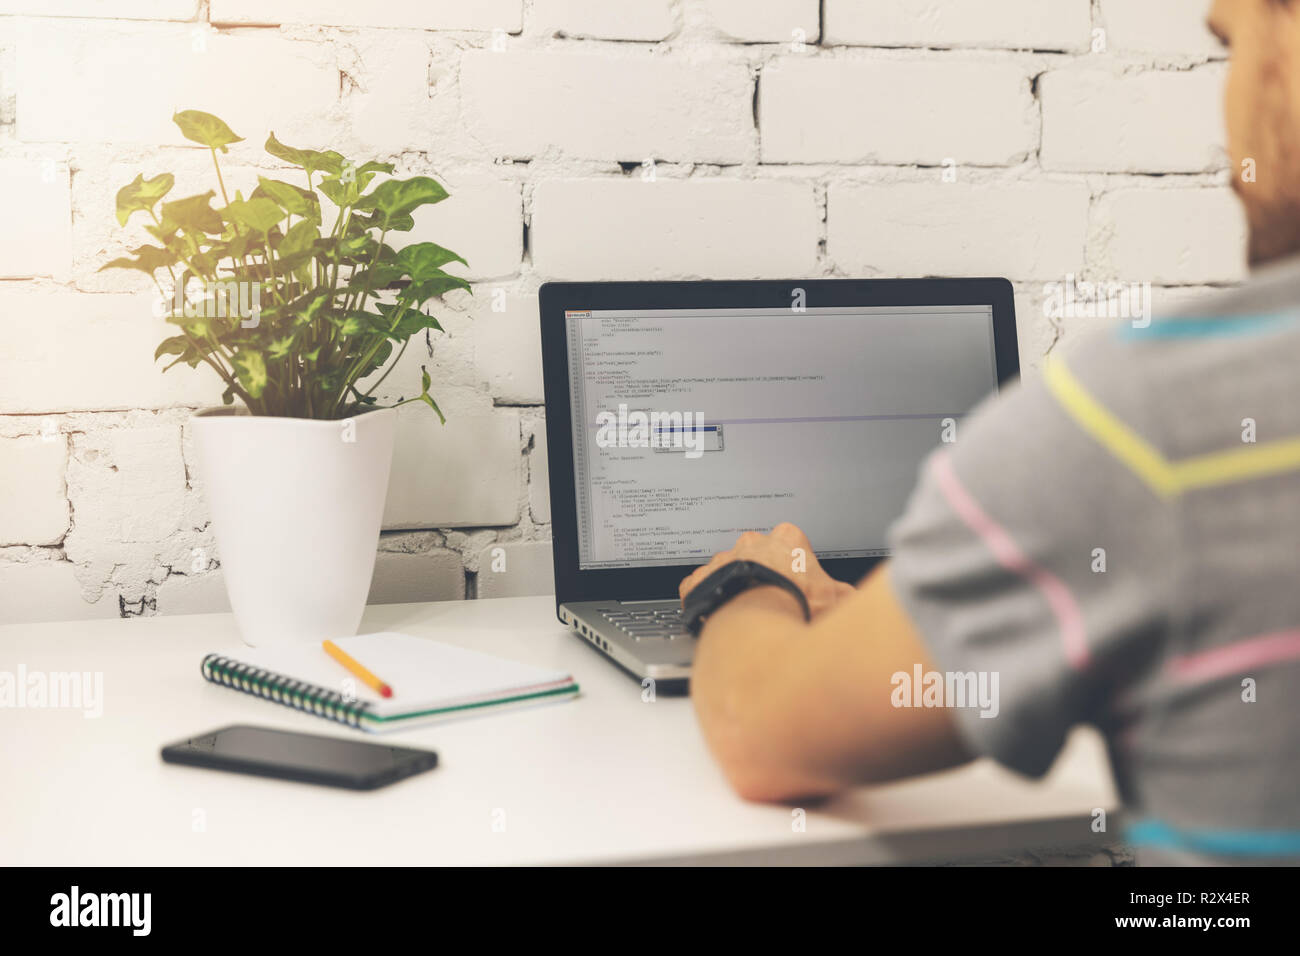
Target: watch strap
<point x="727" y="582"/>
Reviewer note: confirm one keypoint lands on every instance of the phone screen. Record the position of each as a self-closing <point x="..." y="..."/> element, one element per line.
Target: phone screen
<point x="299" y="756"/>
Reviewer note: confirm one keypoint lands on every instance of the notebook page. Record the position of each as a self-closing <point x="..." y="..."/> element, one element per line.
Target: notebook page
<point x="424" y="674"/>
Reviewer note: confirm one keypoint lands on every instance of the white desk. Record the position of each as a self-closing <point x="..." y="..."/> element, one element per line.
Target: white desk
<point x="604" y="778"/>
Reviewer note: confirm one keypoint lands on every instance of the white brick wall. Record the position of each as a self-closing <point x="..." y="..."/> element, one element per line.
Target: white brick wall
<point x="460" y="474"/>
<point x="943" y="114"/>
<point x="780" y="21"/>
<point x="118" y="9"/>
<point x="633" y="229"/>
<point x="1168" y="27"/>
<point x="1154" y="122"/>
<point x="508" y="351"/>
<point x="435" y="575"/>
<point x="36" y="229"/>
<point x="89" y="81"/>
<point x="47" y="590"/>
<point x="1022" y="138"/>
<point x="1172" y="236"/>
<point x="414" y="14"/>
<point x="539" y="479"/>
<point x="516" y="569"/>
<point x="937" y="228"/>
<point x="1006" y="24"/>
<point x="34" y="506"/>
<point x="600" y="19"/>
<point x="483" y="221"/>
<point x="54" y="349"/>
<point x="594" y="105"/>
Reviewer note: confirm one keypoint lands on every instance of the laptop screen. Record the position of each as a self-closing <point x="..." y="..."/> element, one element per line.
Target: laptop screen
<point x="691" y="427"/>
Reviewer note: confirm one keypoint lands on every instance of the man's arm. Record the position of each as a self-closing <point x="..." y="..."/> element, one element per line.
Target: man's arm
<point x="793" y="709"/>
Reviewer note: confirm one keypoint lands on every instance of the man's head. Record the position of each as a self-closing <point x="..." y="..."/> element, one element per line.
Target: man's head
<point x="1263" y="114"/>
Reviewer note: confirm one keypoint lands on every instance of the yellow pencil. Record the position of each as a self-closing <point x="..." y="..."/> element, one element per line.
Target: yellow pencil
<point x="373" y="682"/>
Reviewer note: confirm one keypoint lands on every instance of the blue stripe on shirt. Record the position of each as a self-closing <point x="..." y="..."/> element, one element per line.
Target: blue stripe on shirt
<point x="1207" y="327"/>
<point x="1228" y="843"/>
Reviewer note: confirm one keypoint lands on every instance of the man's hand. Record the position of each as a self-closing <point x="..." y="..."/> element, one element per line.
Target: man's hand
<point x="787" y="551"/>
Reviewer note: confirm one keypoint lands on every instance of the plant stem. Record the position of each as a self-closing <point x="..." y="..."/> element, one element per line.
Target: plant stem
<point x="220" y="182"/>
<point x="391" y="365"/>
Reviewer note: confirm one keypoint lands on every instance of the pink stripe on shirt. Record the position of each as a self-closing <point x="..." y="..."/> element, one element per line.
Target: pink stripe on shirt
<point x="1008" y="554"/>
<point x="1236" y="658"/>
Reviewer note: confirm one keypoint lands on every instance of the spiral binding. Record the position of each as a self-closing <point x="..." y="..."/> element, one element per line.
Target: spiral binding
<point x="283" y="690"/>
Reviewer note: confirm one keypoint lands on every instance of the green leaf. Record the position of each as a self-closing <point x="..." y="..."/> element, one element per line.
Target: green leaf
<point x="382" y="276"/>
<point x="147" y="259"/>
<point x="425" y="397"/>
<point x="341" y="193"/>
<point x="281" y="347"/>
<point x="300" y="238"/>
<point x="140" y="195"/>
<point x="175" y="345"/>
<point x="164" y="235"/>
<point x="197" y="325"/>
<point x="377" y="361"/>
<point x="353" y="323"/>
<point x="205" y="263"/>
<point x="404" y="223"/>
<point x="411" y="321"/>
<point x="193" y="214"/>
<point x="238" y="247"/>
<point x="313" y="161"/>
<point x="250" y="369"/>
<point x="206" y="129"/>
<point x="297" y="249"/>
<point x="292" y="199"/>
<point x="433" y="287"/>
<point x="305" y="309"/>
<point x="259" y="214"/>
<point x="184" y="350"/>
<point x="394" y="198"/>
<point x="355" y="251"/>
<point x="365" y="173"/>
<point x="424" y="259"/>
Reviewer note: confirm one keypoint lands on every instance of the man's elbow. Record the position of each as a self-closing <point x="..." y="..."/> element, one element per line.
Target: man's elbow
<point x="774" y="784"/>
<point x="745" y="740"/>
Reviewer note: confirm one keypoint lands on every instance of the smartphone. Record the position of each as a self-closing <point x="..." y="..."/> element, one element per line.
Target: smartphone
<point x="309" y="758"/>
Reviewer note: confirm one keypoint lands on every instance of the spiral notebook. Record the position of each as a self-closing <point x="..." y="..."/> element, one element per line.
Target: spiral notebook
<point x="430" y="681"/>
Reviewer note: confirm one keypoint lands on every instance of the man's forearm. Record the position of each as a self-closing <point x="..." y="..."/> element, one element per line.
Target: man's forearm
<point x="736" y="678"/>
<point x="791" y="709"/>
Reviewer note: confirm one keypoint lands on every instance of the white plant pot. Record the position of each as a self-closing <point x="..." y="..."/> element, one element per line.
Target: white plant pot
<point x="296" y="507"/>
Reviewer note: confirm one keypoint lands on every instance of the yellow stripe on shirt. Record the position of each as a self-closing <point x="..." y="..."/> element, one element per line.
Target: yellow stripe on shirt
<point x="1122" y="442"/>
<point x="1239" y="464"/>
<point x="1165" y="478"/>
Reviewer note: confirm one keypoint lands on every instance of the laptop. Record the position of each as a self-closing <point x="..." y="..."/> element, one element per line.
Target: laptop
<point x="681" y="414"/>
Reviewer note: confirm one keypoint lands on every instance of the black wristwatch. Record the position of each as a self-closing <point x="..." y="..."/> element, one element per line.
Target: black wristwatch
<point x="728" y="581"/>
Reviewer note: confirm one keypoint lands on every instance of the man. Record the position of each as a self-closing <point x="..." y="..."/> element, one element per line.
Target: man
<point x="1119" y="542"/>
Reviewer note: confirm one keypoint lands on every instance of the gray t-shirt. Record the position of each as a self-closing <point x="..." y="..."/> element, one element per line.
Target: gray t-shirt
<point x="1118" y="540"/>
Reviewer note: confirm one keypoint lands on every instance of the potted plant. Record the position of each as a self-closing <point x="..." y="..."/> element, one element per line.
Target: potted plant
<point x="295" y="314"/>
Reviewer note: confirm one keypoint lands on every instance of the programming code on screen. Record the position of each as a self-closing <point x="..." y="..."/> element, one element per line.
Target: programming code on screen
<point x="820" y="417"/>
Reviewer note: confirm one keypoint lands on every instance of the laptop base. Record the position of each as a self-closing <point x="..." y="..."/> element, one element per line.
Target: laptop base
<point x="642" y="637"/>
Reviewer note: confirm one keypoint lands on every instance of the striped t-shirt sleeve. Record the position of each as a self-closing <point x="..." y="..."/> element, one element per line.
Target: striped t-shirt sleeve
<point x="1034" y="559"/>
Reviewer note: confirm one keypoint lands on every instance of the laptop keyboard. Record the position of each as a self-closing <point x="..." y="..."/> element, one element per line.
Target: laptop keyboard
<point x="649" y="624"/>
